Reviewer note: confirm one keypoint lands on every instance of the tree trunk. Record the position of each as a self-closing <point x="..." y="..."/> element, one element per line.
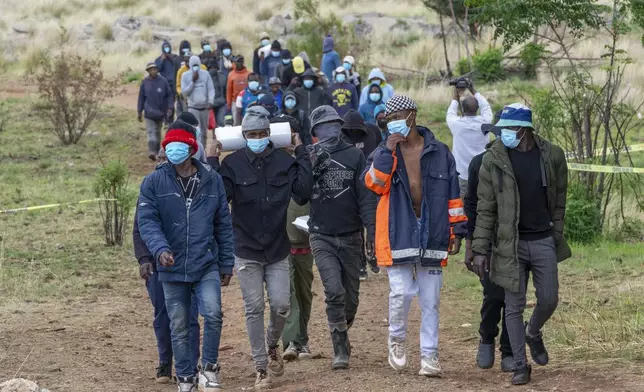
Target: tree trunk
<point x="458" y="35"/>
<point x="449" y="68"/>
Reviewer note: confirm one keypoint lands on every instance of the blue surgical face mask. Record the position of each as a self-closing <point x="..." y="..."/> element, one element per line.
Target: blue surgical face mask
<point x="207" y="48"/>
<point x="374" y="97"/>
<point x="399" y="126"/>
<point x="289" y="103"/>
<point x="195" y="68"/>
<point x="340" y="78"/>
<point x="286" y="61"/>
<point x="375" y="82"/>
<point x="253" y="85"/>
<point x="166" y="49"/>
<point x="308" y="83"/>
<point x="177" y="152"/>
<point x="347" y="66"/>
<point x="266" y="42"/>
<point x="226" y="52"/>
<point x="257" y="145"/>
<point x="276" y="53"/>
<point x="509" y="138"/>
<point x="185" y="50"/>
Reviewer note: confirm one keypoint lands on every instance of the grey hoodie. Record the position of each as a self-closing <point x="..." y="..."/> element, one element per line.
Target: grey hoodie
<point x="201" y="92"/>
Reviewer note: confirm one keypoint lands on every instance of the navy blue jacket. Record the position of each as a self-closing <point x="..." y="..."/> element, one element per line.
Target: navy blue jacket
<point x="141" y="251"/>
<point x="197" y="231"/>
<point x="167" y="68"/>
<point x="260" y="188"/>
<point x="155" y="98"/>
<point x="400" y="239"/>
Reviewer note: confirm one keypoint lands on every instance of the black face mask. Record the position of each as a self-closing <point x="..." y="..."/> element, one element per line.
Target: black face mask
<point x="382" y="124"/>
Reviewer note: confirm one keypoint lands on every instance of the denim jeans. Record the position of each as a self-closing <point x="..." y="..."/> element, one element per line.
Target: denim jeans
<point x="162" y="323"/>
<point x="252" y="276"/>
<point x="338" y="261"/>
<point x="178" y="298"/>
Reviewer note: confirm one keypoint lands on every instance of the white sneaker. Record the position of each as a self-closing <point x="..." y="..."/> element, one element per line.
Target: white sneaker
<point x="210" y="379"/>
<point x="263" y="380"/>
<point x="186" y="384"/>
<point x="429" y="366"/>
<point x="397" y="354"/>
<point x="291" y="352"/>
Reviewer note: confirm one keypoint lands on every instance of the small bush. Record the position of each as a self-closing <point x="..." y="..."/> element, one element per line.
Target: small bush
<point x="463" y="67"/>
<point x="105" y="32"/>
<point x="131" y="76"/>
<point x="531" y="56"/>
<point x="209" y="17"/>
<point x="631" y="230"/>
<point x="146" y="34"/>
<point x="583" y="216"/>
<point x="72" y="90"/>
<point x="264" y="14"/>
<point x="119" y="4"/>
<point x="488" y="65"/>
<point x="33" y="59"/>
<point x="111" y="184"/>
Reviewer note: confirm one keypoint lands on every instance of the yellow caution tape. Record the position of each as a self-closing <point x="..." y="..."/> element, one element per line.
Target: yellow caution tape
<point x="52" y="206"/>
<point x="598" y="151"/>
<point x="603" y="169"/>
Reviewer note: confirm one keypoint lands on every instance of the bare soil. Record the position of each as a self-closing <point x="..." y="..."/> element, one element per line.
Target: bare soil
<point x="106" y="343"/>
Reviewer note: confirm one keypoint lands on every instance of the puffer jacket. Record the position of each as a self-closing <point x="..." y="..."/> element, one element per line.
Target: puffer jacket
<point x="497" y="222"/>
<point x="399" y="237"/>
<point x="198" y="231"/>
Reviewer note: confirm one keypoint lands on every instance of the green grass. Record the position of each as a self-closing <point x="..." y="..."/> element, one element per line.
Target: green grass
<point x="209" y="17"/>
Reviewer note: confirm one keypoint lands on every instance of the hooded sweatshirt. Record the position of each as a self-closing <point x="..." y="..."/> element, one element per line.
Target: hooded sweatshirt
<point x="387" y="89"/>
<point x="237" y="82"/>
<point x="270" y="65"/>
<point x="289" y="74"/>
<point x="201" y="92"/>
<point x="303" y="121"/>
<point x="219" y="82"/>
<point x="178" y="59"/>
<point x="167" y="66"/>
<point x="340" y="202"/>
<point x="268" y="103"/>
<point x="356" y="132"/>
<point x="344" y="96"/>
<point x="367" y="109"/>
<point x="310" y="99"/>
<point x="330" y="59"/>
<point x="225" y="63"/>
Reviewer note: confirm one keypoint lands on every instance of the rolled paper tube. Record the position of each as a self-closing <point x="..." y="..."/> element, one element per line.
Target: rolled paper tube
<point x="231" y="138"/>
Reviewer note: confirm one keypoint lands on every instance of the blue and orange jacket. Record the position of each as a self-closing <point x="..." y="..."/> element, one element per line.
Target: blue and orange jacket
<point x="400" y="239"/>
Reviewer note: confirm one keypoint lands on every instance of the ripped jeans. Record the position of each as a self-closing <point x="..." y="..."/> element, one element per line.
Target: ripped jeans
<point x="252" y="275"/>
<point x="405" y="282"/>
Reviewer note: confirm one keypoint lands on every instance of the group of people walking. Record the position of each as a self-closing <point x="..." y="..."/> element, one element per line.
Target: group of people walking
<point x="377" y="187"/>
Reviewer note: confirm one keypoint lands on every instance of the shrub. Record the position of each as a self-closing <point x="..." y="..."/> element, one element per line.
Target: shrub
<point x="583" y="215"/>
<point x="131" y="76"/>
<point x="463" y="67"/>
<point x="111" y="184"/>
<point x="105" y="32"/>
<point x="209" y="17"/>
<point x="488" y="65"/>
<point x="119" y="4"/>
<point x="530" y="57"/>
<point x="72" y="90"/>
<point x="631" y="230"/>
<point x="264" y="14"/>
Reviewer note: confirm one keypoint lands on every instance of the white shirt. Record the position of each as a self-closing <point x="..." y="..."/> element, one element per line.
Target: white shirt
<point x="468" y="140"/>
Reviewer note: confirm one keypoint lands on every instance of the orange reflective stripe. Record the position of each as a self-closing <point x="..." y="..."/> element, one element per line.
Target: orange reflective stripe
<point x="383" y="245"/>
<point x="456" y="211"/>
<point x="376" y="180"/>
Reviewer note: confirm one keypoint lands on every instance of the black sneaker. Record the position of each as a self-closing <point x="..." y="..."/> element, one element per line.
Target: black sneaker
<point x="375" y="269"/>
<point x="507" y="364"/>
<point x="164" y="373"/>
<point x="485" y="356"/>
<point x="537" y="348"/>
<point x="363" y="274"/>
<point x="522" y="375"/>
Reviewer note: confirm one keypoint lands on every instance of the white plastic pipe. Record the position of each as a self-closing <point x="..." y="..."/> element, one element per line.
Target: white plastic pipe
<point x="231" y="138"/>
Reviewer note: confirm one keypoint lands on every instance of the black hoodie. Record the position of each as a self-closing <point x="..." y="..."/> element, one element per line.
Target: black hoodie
<point x="310" y="99"/>
<point x="355" y="131"/>
<point x="166" y="66"/>
<point x="179" y="58"/>
<point x="302" y="119"/>
<point x="340" y="202"/>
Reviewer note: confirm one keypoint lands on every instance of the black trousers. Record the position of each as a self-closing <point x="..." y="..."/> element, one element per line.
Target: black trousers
<point x="493" y="311"/>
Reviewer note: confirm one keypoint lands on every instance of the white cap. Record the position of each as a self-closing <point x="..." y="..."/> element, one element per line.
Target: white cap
<point x="349" y="59"/>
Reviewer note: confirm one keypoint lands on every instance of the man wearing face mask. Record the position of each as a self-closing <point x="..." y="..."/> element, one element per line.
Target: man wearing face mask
<point x="377" y="78"/>
<point x="381" y="121"/>
<point x="271" y="63"/>
<point x="419" y="212"/>
<point x="520" y="219"/>
<point x="260" y="181"/>
<point x="311" y="96"/>
<point x="343" y="93"/>
<point x="225" y="59"/>
<point x="185" y="223"/>
<point x="199" y="91"/>
<point x="285" y="62"/>
<point x="259" y="52"/>
<point x="191" y="120"/>
<point x="330" y="58"/>
<point x="353" y="76"/>
<point x="289" y="107"/>
<point x="275" y="85"/>
<point x="293" y="72"/>
<point x="207" y="52"/>
<point x="341" y="208"/>
<point x="237" y="82"/>
<point x="368" y="108"/>
<point x="166" y="64"/>
<point x="249" y="95"/>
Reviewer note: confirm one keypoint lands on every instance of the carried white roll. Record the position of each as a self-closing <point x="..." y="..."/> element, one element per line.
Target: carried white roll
<point x="302" y="223"/>
<point x="231" y="138"/>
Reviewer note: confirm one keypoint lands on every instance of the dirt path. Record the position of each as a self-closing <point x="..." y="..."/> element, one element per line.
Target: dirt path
<point x="106" y="343"/>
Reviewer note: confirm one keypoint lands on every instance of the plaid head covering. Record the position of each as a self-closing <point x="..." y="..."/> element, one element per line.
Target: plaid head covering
<point x="398" y="103"/>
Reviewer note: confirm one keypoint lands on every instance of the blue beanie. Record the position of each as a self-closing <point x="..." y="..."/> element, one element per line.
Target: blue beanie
<point x="516" y="115"/>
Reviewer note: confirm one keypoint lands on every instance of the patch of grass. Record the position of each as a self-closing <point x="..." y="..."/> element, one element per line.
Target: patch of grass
<point x="209" y="17"/>
<point x="131" y="76"/>
<point x="119" y="4"/>
<point x="264" y="14"/>
<point x="146" y="34"/>
<point x="105" y="32"/>
<point x="64" y="254"/>
<point x="32" y="59"/>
